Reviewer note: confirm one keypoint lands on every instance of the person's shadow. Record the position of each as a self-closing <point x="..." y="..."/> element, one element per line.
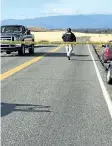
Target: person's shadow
<point x="7" y="108"/>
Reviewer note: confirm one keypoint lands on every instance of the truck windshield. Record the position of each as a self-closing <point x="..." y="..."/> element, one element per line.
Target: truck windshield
<point x="11" y="29"/>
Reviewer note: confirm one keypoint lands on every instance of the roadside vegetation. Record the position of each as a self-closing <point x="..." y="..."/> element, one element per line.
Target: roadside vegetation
<point x="51" y="35"/>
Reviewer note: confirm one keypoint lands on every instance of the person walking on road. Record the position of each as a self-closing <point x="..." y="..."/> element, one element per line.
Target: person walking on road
<point x="69" y="37"/>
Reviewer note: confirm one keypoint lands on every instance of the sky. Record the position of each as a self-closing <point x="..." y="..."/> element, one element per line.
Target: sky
<point x="24" y="9"/>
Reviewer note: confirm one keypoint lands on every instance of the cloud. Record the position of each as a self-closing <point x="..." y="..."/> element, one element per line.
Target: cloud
<point x="72" y="7"/>
<point x="62" y="11"/>
<point x="59" y="7"/>
<point x="41" y="8"/>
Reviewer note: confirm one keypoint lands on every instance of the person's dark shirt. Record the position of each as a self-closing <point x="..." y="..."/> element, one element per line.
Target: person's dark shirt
<point x="69" y="37"/>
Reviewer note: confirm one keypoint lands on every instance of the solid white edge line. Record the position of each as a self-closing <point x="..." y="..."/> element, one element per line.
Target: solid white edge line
<point x="104" y="90"/>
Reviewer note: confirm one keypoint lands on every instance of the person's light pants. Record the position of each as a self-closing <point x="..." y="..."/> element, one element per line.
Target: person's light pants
<point x="69" y="49"/>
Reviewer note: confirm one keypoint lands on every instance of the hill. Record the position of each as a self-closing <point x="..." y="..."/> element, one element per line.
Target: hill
<point x="73" y="21"/>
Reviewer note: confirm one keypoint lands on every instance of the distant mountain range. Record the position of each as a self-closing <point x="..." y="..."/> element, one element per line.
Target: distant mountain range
<point x="65" y="21"/>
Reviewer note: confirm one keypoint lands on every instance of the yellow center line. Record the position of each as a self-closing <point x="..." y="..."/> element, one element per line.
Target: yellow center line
<point x="22" y="66"/>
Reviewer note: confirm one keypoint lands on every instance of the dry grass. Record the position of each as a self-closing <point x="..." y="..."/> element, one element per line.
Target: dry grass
<point x="53" y="36"/>
<point x="56" y="36"/>
<point x="102" y="38"/>
<point x="37" y="29"/>
<point x="48" y="36"/>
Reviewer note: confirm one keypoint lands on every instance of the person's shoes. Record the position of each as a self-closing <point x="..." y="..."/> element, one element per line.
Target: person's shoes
<point x="68" y="57"/>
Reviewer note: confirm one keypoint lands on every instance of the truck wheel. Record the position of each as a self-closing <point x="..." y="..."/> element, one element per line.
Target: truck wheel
<point x="31" y="49"/>
<point x="21" y="52"/>
<point x="109" y="79"/>
<point x="8" y="52"/>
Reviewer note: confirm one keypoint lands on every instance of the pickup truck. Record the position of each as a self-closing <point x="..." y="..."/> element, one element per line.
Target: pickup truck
<point x="16" y="33"/>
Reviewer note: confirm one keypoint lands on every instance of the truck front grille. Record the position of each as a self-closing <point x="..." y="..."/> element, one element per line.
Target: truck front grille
<point x="4" y="46"/>
<point x="7" y="38"/>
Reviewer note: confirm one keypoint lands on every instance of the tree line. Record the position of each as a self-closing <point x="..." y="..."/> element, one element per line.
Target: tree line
<point x="87" y="30"/>
<point x="97" y="31"/>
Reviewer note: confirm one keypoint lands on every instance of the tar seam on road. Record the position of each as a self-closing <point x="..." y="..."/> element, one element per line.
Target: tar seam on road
<point x="22" y="66"/>
<point x="104" y="90"/>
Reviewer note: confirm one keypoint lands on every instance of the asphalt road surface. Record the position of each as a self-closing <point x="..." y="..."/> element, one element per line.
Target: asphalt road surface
<point x="55" y="101"/>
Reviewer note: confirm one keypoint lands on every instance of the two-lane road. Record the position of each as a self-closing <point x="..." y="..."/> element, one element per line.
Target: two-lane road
<point x="54" y="101"/>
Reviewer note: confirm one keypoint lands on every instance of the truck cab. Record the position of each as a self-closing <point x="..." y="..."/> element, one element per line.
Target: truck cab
<point x="16" y="33"/>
